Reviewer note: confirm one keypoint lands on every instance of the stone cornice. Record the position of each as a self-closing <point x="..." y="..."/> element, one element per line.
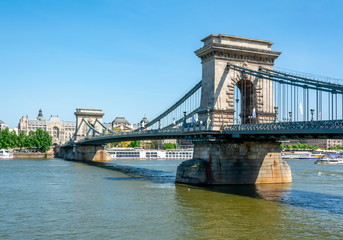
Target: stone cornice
<point x="220" y="36"/>
<point x="89" y="114"/>
<point x="237" y="53"/>
<point x="240" y="49"/>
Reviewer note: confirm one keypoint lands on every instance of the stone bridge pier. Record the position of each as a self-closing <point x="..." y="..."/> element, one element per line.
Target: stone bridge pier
<point x="242" y="162"/>
<point x="88" y="153"/>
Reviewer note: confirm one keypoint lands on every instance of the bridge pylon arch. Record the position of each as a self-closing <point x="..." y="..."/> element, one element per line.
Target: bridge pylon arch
<point x="235" y="160"/>
<point x="219" y="81"/>
<point x="88" y="121"/>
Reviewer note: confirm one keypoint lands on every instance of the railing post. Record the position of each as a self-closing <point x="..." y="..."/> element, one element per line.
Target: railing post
<point x="276" y="109"/>
<point x="312" y="113"/>
<point x="208" y="120"/>
<point x="184" y="119"/>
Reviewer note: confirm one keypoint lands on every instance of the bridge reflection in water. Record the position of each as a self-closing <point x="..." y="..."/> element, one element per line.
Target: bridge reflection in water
<point x="224" y="212"/>
<point x="269" y="192"/>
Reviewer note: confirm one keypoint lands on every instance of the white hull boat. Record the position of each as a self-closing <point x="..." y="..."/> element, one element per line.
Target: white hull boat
<point x="329" y="161"/>
<point x="6" y="154"/>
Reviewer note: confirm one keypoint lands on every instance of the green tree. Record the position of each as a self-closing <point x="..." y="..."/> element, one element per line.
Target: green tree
<point x="169" y="146"/>
<point x="4" y="137"/>
<point x="299" y="146"/>
<point x="8" y="139"/>
<point x="153" y="144"/>
<point x="135" y="144"/>
<point x="13" y="139"/>
<point x="114" y="144"/>
<point x="29" y="140"/>
<point x="21" y="139"/>
<point x="336" y="148"/>
<point x="35" y="139"/>
<point x="42" y="140"/>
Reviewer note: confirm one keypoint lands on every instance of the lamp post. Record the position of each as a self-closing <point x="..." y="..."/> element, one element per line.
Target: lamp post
<point x="184" y="119"/>
<point x="237" y="114"/>
<point x="276" y="109"/>
<point x="208" y="120"/>
<point x="312" y="113"/>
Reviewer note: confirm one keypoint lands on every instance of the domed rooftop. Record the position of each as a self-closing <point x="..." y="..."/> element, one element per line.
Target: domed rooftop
<point x="145" y="120"/>
<point x="120" y="120"/>
<point x="40" y="116"/>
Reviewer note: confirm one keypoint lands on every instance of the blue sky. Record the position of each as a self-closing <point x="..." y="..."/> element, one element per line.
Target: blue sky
<point x="135" y="58"/>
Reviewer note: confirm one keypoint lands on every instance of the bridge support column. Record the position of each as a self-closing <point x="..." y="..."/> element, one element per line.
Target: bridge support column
<point x="89" y="153"/>
<point x="235" y="163"/>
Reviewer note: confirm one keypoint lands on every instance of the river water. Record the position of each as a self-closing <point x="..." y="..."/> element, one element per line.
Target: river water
<point x="135" y="199"/>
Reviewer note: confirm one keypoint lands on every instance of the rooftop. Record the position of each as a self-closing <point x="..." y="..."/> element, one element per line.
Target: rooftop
<point x="237" y="41"/>
<point x="54" y="119"/>
<point x="120" y="120"/>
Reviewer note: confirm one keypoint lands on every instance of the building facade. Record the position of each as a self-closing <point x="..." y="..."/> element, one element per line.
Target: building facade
<point x="60" y="131"/>
<point x="120" y="124"/>
<point x="3" y="125"/>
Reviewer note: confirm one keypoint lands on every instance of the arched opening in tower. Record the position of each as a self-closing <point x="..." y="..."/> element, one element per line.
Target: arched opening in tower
<point x="244" y="104"/>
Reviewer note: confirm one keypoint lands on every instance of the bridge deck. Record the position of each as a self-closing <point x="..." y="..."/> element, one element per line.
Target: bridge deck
<point x="280" y="130"/>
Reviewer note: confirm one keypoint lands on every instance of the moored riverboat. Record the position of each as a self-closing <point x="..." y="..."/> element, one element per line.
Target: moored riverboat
<point x="302" y="155"/>
<point x="132" y="153"/>
<point x="6" y="154"/>
<point x="329" y="161"/>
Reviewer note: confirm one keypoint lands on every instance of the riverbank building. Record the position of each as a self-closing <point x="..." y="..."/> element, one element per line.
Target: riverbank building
<point x="60" y="131"/>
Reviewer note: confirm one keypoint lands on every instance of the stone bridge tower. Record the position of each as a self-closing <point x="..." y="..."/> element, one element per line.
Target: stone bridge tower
<point x="92" y="117"/>
<point x="235" y="161"/>
<point x="85" y="120"/>
<point x="218" y="82"/>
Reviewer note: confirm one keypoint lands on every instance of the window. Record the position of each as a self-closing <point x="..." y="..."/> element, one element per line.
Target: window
<point x="56" y="132"/>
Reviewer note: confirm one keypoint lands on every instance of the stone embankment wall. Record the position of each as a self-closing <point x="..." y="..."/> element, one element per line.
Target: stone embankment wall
<point x="25" y="155"/>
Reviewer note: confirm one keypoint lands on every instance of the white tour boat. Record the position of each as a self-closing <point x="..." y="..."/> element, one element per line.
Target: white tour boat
<point x="6" y="154"/>
<point x="330" y="160"/>
<point x="301" y="155"/>
<point x="133" y="153"/>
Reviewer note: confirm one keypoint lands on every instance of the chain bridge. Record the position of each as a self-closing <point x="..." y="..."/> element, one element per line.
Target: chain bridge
<point x="236" y="116"/>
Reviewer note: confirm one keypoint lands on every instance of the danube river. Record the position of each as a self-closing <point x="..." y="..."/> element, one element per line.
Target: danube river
<point x="135" y="199"/>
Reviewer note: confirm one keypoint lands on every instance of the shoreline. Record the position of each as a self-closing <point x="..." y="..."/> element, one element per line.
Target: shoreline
<point x="24" y="155"/>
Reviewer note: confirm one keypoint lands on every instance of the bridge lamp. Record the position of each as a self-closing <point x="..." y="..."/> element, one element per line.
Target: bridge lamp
<point x="276" y="109"/>
<point x="184" y="119"/>
<point x="237" y="116"/>
<point x="312" y="113"/>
